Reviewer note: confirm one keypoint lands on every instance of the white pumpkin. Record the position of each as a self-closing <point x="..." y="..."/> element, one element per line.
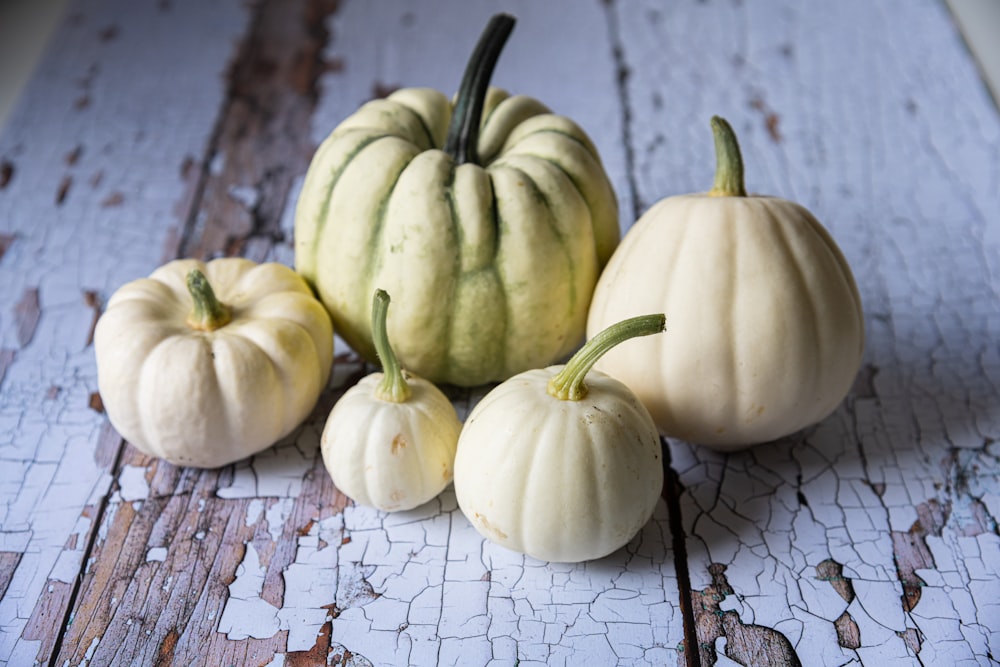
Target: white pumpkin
<point x="767" y="330"/>
<point x="390" y="440"/>
<point x="203" y="364"/>
<point x="559" y="469"/>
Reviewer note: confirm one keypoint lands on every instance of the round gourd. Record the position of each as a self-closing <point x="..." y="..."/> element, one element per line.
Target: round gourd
<point x="767" y="329"/>
<point x="205" y="364"/>
<point x="390" y="440"/>
<point x="559" y="469"/>
<point x="488" y="221"/>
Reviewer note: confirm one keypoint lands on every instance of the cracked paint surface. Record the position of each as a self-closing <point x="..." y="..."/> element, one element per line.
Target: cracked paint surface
<point x="870" y="538"/>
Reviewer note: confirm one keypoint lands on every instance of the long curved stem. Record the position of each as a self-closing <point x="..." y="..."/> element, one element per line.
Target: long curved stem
<point x="393" y="386"/>
<point x="728" y="161"/>
<point x="463" y="131"/>
<point x="208" y="313"/>
<point x="568" y="384"/>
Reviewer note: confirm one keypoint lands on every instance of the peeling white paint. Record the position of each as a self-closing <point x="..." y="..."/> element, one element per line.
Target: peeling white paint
<point x="277" y="661"/>
<point x="276" y="515"/>
<point x="276" y="472"/>
<point x="133" y="485"/>
<point x="255" y="510"/>
<point x="157" y="554"/>
<point x="91" y="650"/>
<point x="311" y="583"/>
<point x="246" y="614"/>
<point x="422" y="587"/>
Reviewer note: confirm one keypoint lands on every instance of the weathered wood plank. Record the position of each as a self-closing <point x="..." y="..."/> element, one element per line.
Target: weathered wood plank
<point x="90" y="178"/>
<point x="262" y="143"/>
<point x="840" y="109"/>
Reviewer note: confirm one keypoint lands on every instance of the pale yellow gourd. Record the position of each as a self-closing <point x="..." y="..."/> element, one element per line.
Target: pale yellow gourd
<point x="561" y="469"/>
<point x="203" y="364"/>
<point x="390" y="440"/>
<point x="488" y="220"/>
<point x="767" y="330"/>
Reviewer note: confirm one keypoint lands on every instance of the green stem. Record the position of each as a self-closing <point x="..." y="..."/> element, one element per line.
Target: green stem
<point x="463" y="131"/>
<point x="393" y="387"/>
<point x="568" y="384"/>
<point x="728" y="161"/>
<point x="208" y="313"/>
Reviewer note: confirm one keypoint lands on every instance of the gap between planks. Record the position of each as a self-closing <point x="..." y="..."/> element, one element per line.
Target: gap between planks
<point x="271" y="88"/>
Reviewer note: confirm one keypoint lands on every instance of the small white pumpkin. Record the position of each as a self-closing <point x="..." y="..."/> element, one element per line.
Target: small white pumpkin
<point x="767" y="328"/>
<point x="203" y="364"/>
<point x="390" y="440"/>
<point x="559" y="469"/>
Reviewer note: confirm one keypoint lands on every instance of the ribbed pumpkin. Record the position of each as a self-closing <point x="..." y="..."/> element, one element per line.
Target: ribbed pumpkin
<point x="205" y="363"/>
<point x="390" y="440"/>
<point x="562" y="463"/>
<point x="488" y="221"/>
<point x="766" y="327"/>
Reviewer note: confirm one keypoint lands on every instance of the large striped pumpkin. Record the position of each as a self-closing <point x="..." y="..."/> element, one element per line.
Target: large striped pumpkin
<point x="488" y="221"/>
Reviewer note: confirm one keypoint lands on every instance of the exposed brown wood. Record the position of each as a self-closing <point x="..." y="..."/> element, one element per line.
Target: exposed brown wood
<point x="63" y="189"/>
<point x="832" y="571"/>
<point x="6" y="241"/>
<point x="8" y="563"/>
<point x="26" y="314"/>
<point x="912" y="639"/>
<point x="108" y="446"/>
<point x="6" y="173"/>
<point x="73" y="156"/>
<point x="92" y="301"/>
<point x="175" y="598"/>
<point x="752" y="644"/>
<point x="746" y="643"/>
<point x="263" y="142"/>
<point x="708" y="615"/>
<point x="113" y="199"/>
<point x="848" y="633"/>
<point x="6" y="359"/>
<point x="47" y="615"/>
<point x="911" y="552"/>
<point x="203" y="540"/>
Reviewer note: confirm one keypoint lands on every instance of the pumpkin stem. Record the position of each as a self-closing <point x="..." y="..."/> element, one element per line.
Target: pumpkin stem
<point x="728" y="161"/>
<point x="463" y="130"/>
<point x="208" y="313"/>
<point x="393" y="387"/>
<point x="568" y="384"/>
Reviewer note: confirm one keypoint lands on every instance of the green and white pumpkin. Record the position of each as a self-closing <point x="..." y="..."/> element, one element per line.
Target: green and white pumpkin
<point x="488" y="221"/>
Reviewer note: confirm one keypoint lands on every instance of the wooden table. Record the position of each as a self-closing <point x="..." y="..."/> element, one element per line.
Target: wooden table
<point x="182" y="128"/>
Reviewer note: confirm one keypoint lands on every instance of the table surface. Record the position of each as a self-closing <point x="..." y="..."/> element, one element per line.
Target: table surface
<point x="183" y="128"/>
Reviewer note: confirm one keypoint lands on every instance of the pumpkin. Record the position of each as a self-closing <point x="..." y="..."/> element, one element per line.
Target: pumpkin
<point x="487" y="220"/>
<point x="768" y="330"/>
<point x="203" y="364"/>
<point x="390" y="440"/>
<point x="563" y="463"/>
